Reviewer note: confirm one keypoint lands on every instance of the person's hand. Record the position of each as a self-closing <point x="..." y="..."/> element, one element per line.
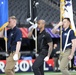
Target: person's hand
<point x="36" y="55"/>
<point x="33" y="27"/>
<point x="70" y="57"/>
<point x="58" y="52"/>
<point x="46" y="58"/>
<point x="60" y="23"/>
<point x="15" y="57"/>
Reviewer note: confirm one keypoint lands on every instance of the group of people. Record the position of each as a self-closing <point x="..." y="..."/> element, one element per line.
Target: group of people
<point x="44" y="45"/>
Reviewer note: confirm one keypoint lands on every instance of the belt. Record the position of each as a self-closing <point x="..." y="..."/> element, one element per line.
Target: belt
<point x="68" y="48"/>
<point x="65" y="50"/>
<point x="10" y="52"/>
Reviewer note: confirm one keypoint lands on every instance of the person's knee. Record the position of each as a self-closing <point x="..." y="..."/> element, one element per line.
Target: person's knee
<point x="62" y="68"/>
<point x="7" y="70"/>
<point x="34" y="67"/>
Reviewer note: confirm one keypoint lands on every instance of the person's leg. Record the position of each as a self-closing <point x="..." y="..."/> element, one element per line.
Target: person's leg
<point x="64" y="63"/>
<point x="57" y="64"/>
<point x="42" y="69"/>
<point x="55" y="68"/>
<point x="37" y="64"/>
<point x="10" y="65"/>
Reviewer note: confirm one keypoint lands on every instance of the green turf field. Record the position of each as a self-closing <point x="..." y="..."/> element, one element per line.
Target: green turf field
<point x="46" y="73"/>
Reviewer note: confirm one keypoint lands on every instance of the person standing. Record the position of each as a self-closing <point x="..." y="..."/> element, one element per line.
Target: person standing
<point x="44" y="47"/>
<point x="68" y="44"/>
<point x="14" y="37"/>
<point x="55" y="57"/>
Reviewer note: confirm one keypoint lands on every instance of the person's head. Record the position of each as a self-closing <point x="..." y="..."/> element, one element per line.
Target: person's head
<point x="66" y="23"/>
<point x="41" y="24"/>
<point x="12" y="22"/>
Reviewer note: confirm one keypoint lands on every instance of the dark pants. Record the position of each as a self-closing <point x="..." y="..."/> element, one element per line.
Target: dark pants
<point x="38" y="64"/>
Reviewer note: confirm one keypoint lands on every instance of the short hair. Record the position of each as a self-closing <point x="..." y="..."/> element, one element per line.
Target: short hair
<point x="67" y="19"/>
<point x="13" y="17"/>
<point x="42" y="21"/>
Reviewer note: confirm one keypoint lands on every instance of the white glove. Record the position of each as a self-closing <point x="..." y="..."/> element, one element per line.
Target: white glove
<point x="15" y="57"/>
<point x="46" y="58"/>
<point x="34" y="26"/>
<point x="36" y="55"/>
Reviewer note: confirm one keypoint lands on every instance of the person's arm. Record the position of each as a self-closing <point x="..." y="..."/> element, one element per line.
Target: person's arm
<point x="50" y="44"/>
<point x="55" y="29"/>
<point x="30" y="33"/>
<point x="31" y="30"/>
<point x="73" y="41"/>
<point x="73" y="49"/>
<point x="18" y="46"/>
<point x="50" y="49"/>
<point x="18" y="39"/>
